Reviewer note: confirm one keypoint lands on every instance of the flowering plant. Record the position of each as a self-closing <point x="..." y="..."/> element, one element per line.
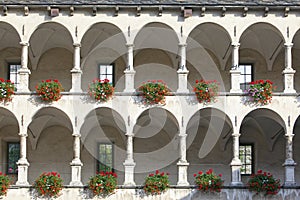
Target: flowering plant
<point x="264" y="182"/>
<point x="206" y="91"/>
<point x="48" y="184"/>
<point x="156" y="183"/>
<point x="7" y="89"/>
<point x="49" y="90"/>
<point x="104" y="183"/>
<point x="101" y="90"/>
<point x="4" y="184"/>
<point x="154" y="91"/>
<point x="208" y="181"/>
<point x="260" y="92"/>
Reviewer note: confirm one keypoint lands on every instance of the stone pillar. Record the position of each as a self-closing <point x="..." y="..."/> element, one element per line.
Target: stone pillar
<point x="182" y="163"/>
<point x="235" y="72"/>
<point x="76" y="71"/>
<point x="182" y="71"/>
<point x="76" y="164"/>
<point x="129" y="163"/>
<point x="236" y="162"/>
<point x="22" y="162"/>
<point x="289" y="163"/>
<point x="288" y="72"/>
<point x="24" y="72"/>
<point x="129" y="71"/>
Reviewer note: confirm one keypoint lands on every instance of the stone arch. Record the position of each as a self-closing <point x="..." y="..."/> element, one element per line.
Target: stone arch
<point x="209" y="133"/>
<point x="155" y="143"/>
<point x="149" y="43"/>
<point x="295" y="58"/>
<point x="296" y="152"/>
<point x="10" y="47"/>
<point x="50" y="136"/>
<point x="103" y="125"/>
<point x="265" y="38"/>
<point x="265" y="129"/>
<point x="208" y="49"/>
<point x="103" y="43"/>
<point x="46" y="36"/>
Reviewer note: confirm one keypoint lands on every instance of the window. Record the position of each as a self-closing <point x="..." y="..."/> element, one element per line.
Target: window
<point x="106" y="72"/>
<point x="13" y="155"/>
<point x="246" y="157"/>
<point x="246" y="75"/>
<point x="13" y="73"/>
<point x="105" y="157"/>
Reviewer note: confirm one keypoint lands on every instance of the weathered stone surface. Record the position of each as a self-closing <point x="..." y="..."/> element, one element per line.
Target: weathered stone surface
<point x="163" y="2"/>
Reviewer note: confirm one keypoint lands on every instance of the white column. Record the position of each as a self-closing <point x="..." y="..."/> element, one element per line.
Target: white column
<point x="289" y="163"/>
<point x="24" y="72"/>
<point x="288" y="72"/>
<point x="76" y="163"/>
<point x="236" y="162"/>
<point x="182" y="163"/>
<point x="22" y="162"/>
<point x="235" y="72"/>
<point x="129" y="71"/>
<point x="129" y="163"/>
<point x="76" y="71"/>
<point x="182" y="71"/>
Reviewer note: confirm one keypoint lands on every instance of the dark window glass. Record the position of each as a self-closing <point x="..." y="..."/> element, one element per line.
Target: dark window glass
<point x="13" y="155"/>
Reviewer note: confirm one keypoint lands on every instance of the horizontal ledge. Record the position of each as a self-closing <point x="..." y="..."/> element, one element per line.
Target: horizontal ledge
<point x="170" y="94"/>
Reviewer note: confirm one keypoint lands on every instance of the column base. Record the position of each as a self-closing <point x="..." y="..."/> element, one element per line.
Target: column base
<point x="76" y="165"/>
<point x="24" y="80"/>
<point x="289" y="80"/>
<point x="22" y="172"/>
<point x="235" y="81"/>
<point x="236" y="173"/>
<point x="76" y="80"/>
<point x="182" y="81"/>
<point x="129" y="81"/>
<point x="182" y="173"/>
<point x="289" y="166"/>
<point x="129" y="173"/>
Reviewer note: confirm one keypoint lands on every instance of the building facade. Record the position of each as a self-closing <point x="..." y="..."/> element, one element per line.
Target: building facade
<point x="178" y="42"/>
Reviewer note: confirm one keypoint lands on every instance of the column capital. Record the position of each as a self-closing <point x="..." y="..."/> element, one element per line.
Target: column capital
<point x="23" y="134"/>
<point x="235" y="134"/>
<point x="235" y="44"/>
<point x="129" y="45"/>
<point x="76" y="135"/>
<point x="288" y="44"/>
<point x="76" y="44"/>
<point x="182" y="44"/>
<point x="24" y="43"/>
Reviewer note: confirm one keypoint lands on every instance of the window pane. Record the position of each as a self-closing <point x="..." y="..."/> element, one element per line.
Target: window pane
<point x="248" y="69"/>
<point x="12" y="157"/>
<point x="245" y="155"/>
<point x="13" y="73"/>
<point x="248" y="78"/>
<point x="105" y="157"/>
<point x="109" y="69"/>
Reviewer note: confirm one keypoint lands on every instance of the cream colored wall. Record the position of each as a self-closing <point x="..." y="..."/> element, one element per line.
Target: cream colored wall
<point x="55" y="63"/>
<point x="89" y="151"/>
<point x="217" y="159"/>
<point x="265" y="158"/>
<point x="54" y="152"/>
<point x="102" y="56"/>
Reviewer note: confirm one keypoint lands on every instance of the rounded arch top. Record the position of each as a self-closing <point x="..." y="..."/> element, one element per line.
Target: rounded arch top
<point x="7" y="118"/>
<point x="262" y="29"/>
<point x="9" y="35"/>
<point x="50" y="116"/>
<point x="102" y="35"/>
<point x="156" y="35"/>
<point x="264" y="113"/>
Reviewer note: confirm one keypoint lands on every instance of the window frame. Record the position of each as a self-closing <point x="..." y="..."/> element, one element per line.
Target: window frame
<point x="252" y="158"/>
<point x="113" y="71"/>
<point x="98" y="163"/>
<point x="7" y="156"/>
<point x="9" y="73"/>
<point x="245" y="85"/>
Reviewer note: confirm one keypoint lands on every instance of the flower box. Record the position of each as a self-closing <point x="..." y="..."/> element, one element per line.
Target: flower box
<point x="208" y="182"/>
<point x="260" y="92"/>
<point x="48" y="184"/>
<point x="157" y="183"/>
<point x="103" y="183"/>
<point x="206" y="91"/>
<point x="264" y="182"/>
<point x="7" y="89"/>
<point x="154" y="92"/>
<point x="101" y="90"/>
<point x="49" y="90"/>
